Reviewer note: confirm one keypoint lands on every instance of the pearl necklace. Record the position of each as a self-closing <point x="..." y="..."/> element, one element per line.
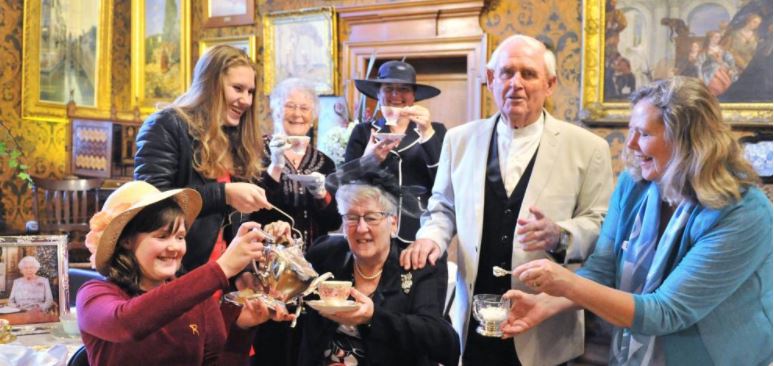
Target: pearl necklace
<point x="374" y="276"/>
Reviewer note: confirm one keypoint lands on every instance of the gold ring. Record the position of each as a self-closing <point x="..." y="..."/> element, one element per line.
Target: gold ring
<point x="535" y="284"/>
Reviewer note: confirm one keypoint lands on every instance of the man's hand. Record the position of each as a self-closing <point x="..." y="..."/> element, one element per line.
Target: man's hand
<point x="538" y="232"/>
<point x="418" y="253"/>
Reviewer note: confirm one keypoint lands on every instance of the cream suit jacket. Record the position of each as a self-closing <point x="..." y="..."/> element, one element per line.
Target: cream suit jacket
<point x="571" y="182"/>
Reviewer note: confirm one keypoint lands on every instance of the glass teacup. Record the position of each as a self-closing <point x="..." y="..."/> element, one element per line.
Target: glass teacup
<point x="490" y="311"/>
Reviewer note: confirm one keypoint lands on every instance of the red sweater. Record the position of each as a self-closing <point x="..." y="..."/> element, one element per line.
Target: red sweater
<point x="177" y="323"/>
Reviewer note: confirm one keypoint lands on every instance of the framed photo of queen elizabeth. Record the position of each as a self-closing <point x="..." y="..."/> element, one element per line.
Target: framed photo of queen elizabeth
<point x="33" y="278"/>
<point x="726" y="44"/>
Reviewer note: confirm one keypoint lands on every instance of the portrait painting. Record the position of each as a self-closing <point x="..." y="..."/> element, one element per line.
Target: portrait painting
<point x="66" y="58"/>
<point x="726" y="44"/>
<point x="301" y="44"/>
<point x="33" y="278"/>
<point x="160" y="33"/>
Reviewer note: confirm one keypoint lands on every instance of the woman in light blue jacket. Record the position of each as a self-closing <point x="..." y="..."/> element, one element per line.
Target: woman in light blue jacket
<point x="683" y="264"/>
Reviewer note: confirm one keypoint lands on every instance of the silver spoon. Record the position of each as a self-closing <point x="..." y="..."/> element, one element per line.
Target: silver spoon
<point x="500" y="272"/>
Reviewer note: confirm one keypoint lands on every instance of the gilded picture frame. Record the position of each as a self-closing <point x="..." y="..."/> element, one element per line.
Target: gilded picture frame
<point x="161" y="52"/>
<point x="244" y="43"/>
<point x="218" y="13"/>
<point x="303" y="44"/>
<point x="626" y="46"/>
<point x="66" y="60"/>
<point x="50" y="252"/>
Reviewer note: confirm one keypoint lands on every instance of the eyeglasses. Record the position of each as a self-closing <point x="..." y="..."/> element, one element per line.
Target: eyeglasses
<point x="303" y="108"/>
<point x="370" y="218"/>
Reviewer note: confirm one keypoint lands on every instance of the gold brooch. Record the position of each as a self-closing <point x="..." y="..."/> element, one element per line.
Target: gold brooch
<point x="405" y="282"/>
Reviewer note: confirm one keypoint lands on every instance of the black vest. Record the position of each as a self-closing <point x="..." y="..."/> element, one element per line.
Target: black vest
<point x="500" y="215"/>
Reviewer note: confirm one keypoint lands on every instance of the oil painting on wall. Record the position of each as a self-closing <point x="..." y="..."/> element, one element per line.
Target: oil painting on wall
<point x="301" y="44"/>
<point x="727" y="44"/>
<point x="66" y="46"/>
<point x="159" y="52"/>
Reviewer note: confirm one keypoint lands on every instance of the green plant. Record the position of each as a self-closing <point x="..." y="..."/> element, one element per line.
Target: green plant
<point x="13" y="153"/>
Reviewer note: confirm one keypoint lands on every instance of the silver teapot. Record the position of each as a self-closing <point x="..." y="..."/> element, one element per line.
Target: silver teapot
<point x="285" y="275"/>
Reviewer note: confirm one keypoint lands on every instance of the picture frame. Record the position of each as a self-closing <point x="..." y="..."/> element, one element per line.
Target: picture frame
<point x="219" y="13"/>
<point x="92" y="148"/>
<point x="627" y="45"/>
<point x="244" y="43"/>
<point x="66" y="61"/>
<point x="301" y="43"/>
<point x="161" y="53"/>
<point x="43" y="297"/>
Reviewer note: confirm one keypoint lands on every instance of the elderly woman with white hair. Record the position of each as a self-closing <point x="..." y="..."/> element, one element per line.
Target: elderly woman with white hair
<point x="31" y="292"/>
<point x="299" y="169"/>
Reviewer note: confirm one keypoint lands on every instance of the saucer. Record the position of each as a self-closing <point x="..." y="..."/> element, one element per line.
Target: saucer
<point x="9" y="310"/>
<point x="389" y="136"/>
<point x="302" y="178"/>
<point x="325" y="307"/>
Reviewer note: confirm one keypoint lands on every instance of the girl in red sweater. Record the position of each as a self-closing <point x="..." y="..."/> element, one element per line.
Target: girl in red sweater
<point x="143" y="314"/>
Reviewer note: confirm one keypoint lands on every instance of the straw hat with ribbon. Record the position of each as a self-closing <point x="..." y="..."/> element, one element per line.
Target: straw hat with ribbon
<point x="121" y="207"/>
<point x="396" y="72"/>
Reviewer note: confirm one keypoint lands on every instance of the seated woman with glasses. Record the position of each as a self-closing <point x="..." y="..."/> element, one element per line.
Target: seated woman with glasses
<point x="397" y="316"/>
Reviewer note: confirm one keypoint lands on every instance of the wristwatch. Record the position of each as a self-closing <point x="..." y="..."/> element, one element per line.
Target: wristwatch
<point x="560" y="250"/>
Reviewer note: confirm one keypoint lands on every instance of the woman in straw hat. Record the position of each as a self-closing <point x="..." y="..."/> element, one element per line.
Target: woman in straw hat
<point x="413" y="158"/>
<point x="143" y="314"/>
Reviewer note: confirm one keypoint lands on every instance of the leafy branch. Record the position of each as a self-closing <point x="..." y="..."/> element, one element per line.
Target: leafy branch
<point x="13" y="153"/>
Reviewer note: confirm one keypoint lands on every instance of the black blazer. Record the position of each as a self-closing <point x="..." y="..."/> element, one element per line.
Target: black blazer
<point x="413" y="163"/>
<point x="406" y="328"/>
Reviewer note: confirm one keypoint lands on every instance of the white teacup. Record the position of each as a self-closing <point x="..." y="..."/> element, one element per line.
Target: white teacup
<point x="391" y="114"/>
<point x="334" y="292"/>
<point x="298" y="143"/>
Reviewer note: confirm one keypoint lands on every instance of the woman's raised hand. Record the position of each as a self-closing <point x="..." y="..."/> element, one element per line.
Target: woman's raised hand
<point x="246" y="197"/>
<point x="246" y="247"/>
<point x="379" y="149"/>
<point x="255" y="312"/>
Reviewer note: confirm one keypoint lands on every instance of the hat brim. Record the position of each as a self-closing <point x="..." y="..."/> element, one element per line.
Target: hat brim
<point x="371" y="88"/>
<point x="189" y="200"/>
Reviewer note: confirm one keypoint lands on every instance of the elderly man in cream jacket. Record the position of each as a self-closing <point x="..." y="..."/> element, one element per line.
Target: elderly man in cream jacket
<point x="515" y="187"/>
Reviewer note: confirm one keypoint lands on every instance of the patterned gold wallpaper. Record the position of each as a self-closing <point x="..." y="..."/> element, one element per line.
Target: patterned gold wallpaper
<point x="556" y="22"/>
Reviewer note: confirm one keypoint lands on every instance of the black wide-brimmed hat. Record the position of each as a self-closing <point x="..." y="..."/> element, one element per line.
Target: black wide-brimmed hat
<point x="396" y="72"/>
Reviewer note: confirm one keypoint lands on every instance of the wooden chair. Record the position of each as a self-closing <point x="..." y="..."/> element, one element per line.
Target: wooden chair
<point x="65" y="208"/>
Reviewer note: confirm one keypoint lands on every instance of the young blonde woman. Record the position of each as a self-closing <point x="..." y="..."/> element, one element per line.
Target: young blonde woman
<point x="143" y="314"/>
<point x="209" y="140"/>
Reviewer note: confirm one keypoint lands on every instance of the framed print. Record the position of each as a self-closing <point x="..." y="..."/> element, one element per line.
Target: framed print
<point x="33" y="278"/>
<point x="224" y="13"/>
<point x="244" y="43"/>
<point x="66" y="57"/>
<point x="160" y="52"/>
<point x="301" y="44"/>
<point x="92" y="148"/>
<point x="629" y="43"/>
